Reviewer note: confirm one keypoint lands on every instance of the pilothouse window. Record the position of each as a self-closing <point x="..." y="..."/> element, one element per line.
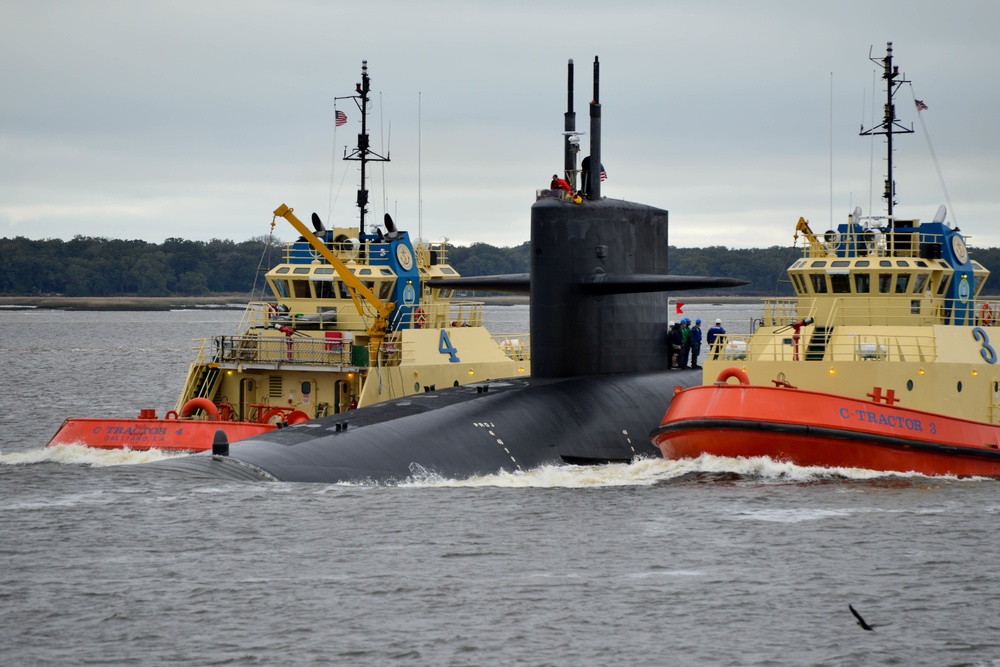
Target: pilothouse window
<point x="977" y="283"/>
<point x="862" y="283"/>
<point x="819" y="283"/>
<point x="840" y="283"/>
<point x="385" y="289"/>
<point x="943" y="287"/>
<point x="324" y="289"/>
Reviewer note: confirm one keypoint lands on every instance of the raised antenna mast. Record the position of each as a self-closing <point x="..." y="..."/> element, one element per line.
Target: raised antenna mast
<point x="594" y="173"/>
<point x="571" y="142"/>
<point x="363" y="153"/>
<point x="889" y="125"/>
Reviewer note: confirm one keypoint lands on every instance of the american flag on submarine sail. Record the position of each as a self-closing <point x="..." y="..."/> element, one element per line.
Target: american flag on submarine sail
<point x="341" y="118"/>
<point x="604" y="174"/>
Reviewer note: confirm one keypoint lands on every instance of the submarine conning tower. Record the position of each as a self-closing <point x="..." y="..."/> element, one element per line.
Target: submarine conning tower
<point x="596" y="333"/>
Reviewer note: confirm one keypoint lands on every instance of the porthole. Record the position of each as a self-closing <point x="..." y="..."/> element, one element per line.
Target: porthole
<point x="909" y="385"/>
<point x="960" y="386"/>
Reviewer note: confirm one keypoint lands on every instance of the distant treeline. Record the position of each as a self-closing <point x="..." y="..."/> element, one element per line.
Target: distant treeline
<point x="89" y="266"/>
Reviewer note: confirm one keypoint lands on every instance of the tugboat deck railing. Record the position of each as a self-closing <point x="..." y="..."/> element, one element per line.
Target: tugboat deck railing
<point x="852" y="347"/>
<point x="436" y="315"/>
<point x="331" y="354"/>
<point x="901" y="242"/>
<point x="882" y="310"/>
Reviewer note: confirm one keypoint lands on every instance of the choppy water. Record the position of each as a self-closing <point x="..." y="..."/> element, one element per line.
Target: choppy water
<point x="710" y="562"/>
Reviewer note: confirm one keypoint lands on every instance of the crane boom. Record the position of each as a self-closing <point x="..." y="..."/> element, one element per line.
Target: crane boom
<point x="380" y="327"/>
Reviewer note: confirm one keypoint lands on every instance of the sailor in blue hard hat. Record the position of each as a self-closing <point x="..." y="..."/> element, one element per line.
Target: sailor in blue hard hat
<point x="695" y="343"/>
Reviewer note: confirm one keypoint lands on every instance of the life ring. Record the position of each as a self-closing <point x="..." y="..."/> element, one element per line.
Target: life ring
<point x="732" y="372"/>
<point x="196" y="404"/>
<point x="986" y="315"/>
<point x="419" y="317"/>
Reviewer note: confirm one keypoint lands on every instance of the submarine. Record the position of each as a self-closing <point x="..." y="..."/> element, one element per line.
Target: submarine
<point x="599" y="380"/>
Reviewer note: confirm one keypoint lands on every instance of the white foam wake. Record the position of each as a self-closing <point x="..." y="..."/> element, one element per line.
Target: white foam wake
<point x="80" y="455"/>
<point x="647" y="472"/>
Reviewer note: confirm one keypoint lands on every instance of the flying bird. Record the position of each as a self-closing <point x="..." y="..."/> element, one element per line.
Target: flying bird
<point x="861" y="621"/>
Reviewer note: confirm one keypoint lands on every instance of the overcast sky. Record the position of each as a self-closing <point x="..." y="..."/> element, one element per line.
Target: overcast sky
<point x="159" y="119"/>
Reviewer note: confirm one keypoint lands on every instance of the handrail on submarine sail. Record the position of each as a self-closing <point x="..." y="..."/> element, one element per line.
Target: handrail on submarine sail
<point x="380" y="326"/>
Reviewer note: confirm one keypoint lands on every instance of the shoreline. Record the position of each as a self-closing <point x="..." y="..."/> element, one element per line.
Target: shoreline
<point x="235" y="301"/>
<point x="239" y="301"/>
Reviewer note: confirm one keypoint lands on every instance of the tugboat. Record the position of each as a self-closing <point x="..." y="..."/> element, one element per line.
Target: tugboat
<point x="598" y="294"/>
<point x="884" y="360"/>
<point x="354" y="322"/>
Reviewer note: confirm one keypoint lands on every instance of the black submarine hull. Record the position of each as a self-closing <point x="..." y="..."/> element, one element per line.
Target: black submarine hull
<point x="461" y="432"/>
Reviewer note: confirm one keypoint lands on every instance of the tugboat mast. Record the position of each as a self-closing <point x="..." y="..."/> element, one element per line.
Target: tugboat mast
<point x="889" y="125"/>
<point x="363" y="153"/>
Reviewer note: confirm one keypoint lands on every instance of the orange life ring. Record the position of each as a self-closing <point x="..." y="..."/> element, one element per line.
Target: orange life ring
<point x="196" y="404"/>
<point x="986" y="315"/>
<point x="419" y="317"/>
<point x="732" y="372"/>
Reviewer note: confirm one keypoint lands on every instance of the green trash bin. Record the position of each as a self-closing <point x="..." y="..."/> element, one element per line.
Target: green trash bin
<point x="359" y="356"/>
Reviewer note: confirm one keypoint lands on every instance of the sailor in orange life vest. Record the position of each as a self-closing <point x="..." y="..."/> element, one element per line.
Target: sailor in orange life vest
<point x="559" y="184"/>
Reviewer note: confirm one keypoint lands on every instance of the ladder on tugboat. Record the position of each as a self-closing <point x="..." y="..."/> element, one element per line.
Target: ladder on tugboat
<point x="816" y="348"/>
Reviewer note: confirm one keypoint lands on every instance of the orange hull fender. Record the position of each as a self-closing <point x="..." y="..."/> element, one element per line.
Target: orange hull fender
<point x="200" y="404"/>
<point x="143" y="434"/>
<point x="732" y="372"/>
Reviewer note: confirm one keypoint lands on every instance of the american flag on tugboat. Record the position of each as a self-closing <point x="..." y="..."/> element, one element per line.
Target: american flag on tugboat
<point x="341" y="118"/>
<point x="920" y="105"/>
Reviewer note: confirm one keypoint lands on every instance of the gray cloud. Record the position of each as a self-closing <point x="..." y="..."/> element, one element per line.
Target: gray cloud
<point x="153" y="120"/>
